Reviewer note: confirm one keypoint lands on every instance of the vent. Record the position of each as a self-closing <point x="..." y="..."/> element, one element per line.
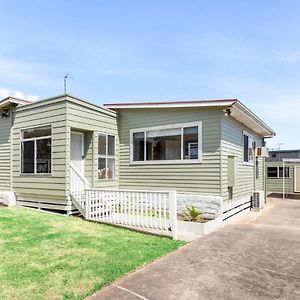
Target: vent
<point x="256" y="200"/>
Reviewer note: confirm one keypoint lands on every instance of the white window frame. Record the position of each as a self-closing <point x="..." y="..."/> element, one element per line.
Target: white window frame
<point x="35" y="152"/>
<point x="279" y="177"/>
<point x="106" y="156"/>
<point x="249" y="162"/>
<point x="171" y="126"/>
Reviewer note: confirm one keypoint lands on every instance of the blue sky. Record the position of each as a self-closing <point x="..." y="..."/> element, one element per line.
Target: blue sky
<point x="119" y="51"/>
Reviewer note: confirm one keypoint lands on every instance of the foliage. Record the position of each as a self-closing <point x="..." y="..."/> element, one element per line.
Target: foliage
<point x="194" y="214"/>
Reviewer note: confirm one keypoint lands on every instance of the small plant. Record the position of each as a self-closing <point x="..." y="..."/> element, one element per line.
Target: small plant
<point x="193" y="214"/>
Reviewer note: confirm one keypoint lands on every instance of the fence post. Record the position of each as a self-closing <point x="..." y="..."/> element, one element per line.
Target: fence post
<point x="173" y="213"/>
<point x="87" y="204"/>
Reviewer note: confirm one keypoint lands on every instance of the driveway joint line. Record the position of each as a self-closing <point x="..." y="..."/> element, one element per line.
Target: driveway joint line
<point x="129" y="291"/>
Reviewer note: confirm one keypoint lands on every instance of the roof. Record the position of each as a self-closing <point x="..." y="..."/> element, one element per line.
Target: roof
<point x="13" y="100"/>
<point x="284" y="151"/>
<point x="237" y="110"/>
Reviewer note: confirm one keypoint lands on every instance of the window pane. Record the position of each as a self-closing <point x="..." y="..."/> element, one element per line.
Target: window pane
<point x="246" y="158"/>
<point x="250" y="149"/>
<point x="43" y="156"/>
<point x="28" y="157"/>
<point x="163" y="144"/>
<point x="110" y="168"/>
<point x="138" y="146"/>
<point x="190" y="142"/>
<point x="272" y="172"/>
<point x="101" y="168"/>
<point x="36" y="132"/>
<point x="286" y="173"/>
<point x="111" y="145"/>
<point x="102" y="144"/>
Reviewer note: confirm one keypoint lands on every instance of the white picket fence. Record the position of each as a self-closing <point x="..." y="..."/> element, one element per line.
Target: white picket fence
<point x="145" y="209"/>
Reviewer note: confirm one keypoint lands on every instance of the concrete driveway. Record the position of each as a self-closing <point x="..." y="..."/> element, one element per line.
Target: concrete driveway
<point x="256" y="256"/>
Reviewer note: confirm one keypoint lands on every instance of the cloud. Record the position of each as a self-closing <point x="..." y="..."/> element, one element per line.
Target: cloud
<point x="292" y="56"/>
<point x="13" y="93"/>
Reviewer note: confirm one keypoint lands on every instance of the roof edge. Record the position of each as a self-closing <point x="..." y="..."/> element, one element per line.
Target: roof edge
<point x="217" y="102"/>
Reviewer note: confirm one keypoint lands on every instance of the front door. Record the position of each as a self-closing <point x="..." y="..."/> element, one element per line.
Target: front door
<point x="297" y="179"/>
<point x="77" y="150"/>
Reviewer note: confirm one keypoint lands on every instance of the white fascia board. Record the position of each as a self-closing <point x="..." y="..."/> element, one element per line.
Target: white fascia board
<point x="246" y="116"/>
<point x="174" y="105"/>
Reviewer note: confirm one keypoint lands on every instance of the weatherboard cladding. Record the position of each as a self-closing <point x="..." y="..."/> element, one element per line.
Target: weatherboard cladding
<point x="5" y="139"/>
<point x="275" y="185"/>
<point x="47" y="188"/>
<point x="85" y="118"/>
<point x="201" y="178"/>
<point x="232" y="145"/>
<point x="63" y="114"/>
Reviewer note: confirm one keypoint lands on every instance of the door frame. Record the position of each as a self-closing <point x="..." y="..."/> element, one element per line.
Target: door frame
<point x="295" y="178"/>
<point x="82" y="148"/>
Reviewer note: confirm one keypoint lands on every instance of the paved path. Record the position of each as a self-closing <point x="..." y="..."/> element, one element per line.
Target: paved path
<point x="255" y="257"/>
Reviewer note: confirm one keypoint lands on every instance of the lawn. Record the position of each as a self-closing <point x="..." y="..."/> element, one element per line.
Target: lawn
<point x="47" y="256"/>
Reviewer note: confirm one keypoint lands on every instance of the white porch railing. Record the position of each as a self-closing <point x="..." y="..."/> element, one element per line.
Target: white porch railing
<point x="78" y="185"/>
<point x="146" y="209"/>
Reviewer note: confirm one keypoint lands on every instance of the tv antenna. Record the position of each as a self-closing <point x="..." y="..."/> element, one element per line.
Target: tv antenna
<point x="65" y="82"/>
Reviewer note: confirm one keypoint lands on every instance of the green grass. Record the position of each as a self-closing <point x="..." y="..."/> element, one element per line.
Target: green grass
<point x="45" y="256"/>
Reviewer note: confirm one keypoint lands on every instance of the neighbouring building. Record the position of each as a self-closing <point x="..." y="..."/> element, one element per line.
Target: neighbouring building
<point x="283" y="172"/>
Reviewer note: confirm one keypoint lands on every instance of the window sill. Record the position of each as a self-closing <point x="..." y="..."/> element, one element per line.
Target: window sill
<point x="248" y="164"/>
<point x="37" y="175"/>
<point x="165" y="162"/>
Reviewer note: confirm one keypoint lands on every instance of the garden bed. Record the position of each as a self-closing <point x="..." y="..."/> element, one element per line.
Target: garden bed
<point x="200" y="228"/>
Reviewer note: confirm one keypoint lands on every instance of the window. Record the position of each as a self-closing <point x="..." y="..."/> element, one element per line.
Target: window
<point x="106" y="156"/>
<point x="36" y="150"/>
<point x="272" y="172"/>
<point x="248" y="148"/>
<point x="172" y="143"/>
<point x="277" y="172"/>
<point x="286" y="173"/>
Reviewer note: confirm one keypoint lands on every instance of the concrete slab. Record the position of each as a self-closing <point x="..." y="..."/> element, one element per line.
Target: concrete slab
<point x="255" y="257"/>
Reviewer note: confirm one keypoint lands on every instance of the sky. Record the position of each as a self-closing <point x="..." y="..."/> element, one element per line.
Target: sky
<point x="158" y="50"/>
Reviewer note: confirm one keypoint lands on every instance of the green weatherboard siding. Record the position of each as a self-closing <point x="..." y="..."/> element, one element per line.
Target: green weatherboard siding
<point x="5" y="139"/>
<point x="184" y="177"/>
<point x="64" y="114"/>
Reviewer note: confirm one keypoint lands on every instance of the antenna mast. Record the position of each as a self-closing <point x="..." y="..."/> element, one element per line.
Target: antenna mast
<point x="65" y="82"/>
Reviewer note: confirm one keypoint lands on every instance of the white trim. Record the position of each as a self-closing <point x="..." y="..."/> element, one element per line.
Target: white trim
<point x="106" y="156"/>
<point x="34" y="140"/>
<point x="82" y="149"/>
<point x="295" y="178"/>
<point x="170" y="105"/>
<point x="249" y="162"/>
<point x="283" y="172"/>
<point x="162" y="127"/>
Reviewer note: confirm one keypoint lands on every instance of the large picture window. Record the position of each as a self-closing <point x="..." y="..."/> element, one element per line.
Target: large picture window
<point x="106" y="156"/>
<point x="36" y="150"/>
<point x="172" y="143"/>
<point x="248" y="148"/>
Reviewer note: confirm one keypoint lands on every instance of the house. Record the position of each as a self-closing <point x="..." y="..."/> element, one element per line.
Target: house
<point x="203" y="150"/>
<point x="285" y="182"/>
<point x="278" y="155"/>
